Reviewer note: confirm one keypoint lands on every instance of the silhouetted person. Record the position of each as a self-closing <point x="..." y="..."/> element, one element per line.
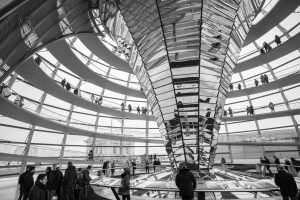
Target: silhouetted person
<point x="38" y="60"/>
<point x="53" y="182"/>
<point x="287" y="162"/>
<point x="251" y="109"/>
<point x="286" y="183"/>
<point x="262" y="79"/>
<point x="230" y="112"/>
<point x="147" y="166"/>
<point x="69" y="181"/>
<point x="231" y="86"/>
<point x="76" y="91"/>
<point x="225" y="113"/>
<point x="112" y="169"/>
<point x="68" y="86"/>
<point x="295" y="164"/>
<point x="138" y="110"/>
<point x="277" y="40"/>
<point x="21" y="181"/>
<point x="28" y="182"/>
<point x="91" y="156"/>
<point x="272" y="106"/>
<point x="248" y="110"/>
<point x="276" y="160"/>
<point x="129" y="108"/>
<point x="133" y="164"/>
<point x="223" y="163"/>
<point x="239" y="86"/>
<point x="267" y="162"/>
<point x="186" y="182"/>
<point x="267" y="46"/>
<point x="122" y="106"/>
<point x="266" y="78"/>
<point x="86" y="179"/>
<point x="256" y="82"/>
<point x="104" y="167"/>
<point x="63" y="82"/>
<point x="38" y="191"/>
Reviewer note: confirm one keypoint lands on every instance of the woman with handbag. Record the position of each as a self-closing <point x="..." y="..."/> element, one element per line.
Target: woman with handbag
<point x="124" y="189"/>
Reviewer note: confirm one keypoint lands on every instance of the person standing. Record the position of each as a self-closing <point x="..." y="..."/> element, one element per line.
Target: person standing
<point x="272" y="106"/>
<point x="223" y="163"/>
<point x="138" y="110"/>
<point x="231" y="86"/>
<point x="262" y="79"/>
<point x="277" y="40"/>
<point x="267" y="162"/>
<point x="256" y="82"/>
<point x="63" y="82"/>
<point x="107" y="169"/>
<point x="230" y="112"/>
<point x="239" y="86"/>
<point x="28" y="182"/>
<point x="79" y="185"/>
<point x="21" y="181"/>
<point x="69" y="182"/>
<point x="86" y="179"/>
<point x="154" y="165"/>
<point x="186" y="182"/>
<point x="124" y="189"/>
<point x="38" y="191"/>
<point x="53" y="182"/>
<point x="286" y="183"/>
<point x="276" y="161"/>
<point x="113" y="168"/>
<point x="147" y="166"/>
<point x="133" y="164"/>
<point x="91" y="156"/>
<point x="104" y="167"/>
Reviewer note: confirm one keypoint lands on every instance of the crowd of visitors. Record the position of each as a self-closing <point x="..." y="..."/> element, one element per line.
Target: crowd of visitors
<point x="68" y="87"/>
<point x="263" y="78"/>
<point x="249" y="110"/>
<point x="73" y="184"/>
<point x="267" y="47"/>
<point x="140" y="110"/>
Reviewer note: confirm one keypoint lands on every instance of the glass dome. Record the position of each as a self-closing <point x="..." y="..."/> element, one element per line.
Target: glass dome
<point x="139" y="88"/>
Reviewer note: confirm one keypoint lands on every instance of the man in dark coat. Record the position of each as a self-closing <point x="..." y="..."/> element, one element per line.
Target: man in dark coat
<point x="28" y="182"/>
<point x="186" y="182"/>
<point x="286" y="183"/>
<point x="69" y="182"/>
<point x="21" y="180"/>
<point x="104" y="167"/>
<point x="38" y="191"/>
<point x="53" y="182"/>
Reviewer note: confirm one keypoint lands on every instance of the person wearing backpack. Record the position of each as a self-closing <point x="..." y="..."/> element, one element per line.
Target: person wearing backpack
<point x="86" y="181"/>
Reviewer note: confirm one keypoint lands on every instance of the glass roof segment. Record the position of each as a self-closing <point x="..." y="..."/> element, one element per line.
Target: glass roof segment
<point x="183" y="53"/>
